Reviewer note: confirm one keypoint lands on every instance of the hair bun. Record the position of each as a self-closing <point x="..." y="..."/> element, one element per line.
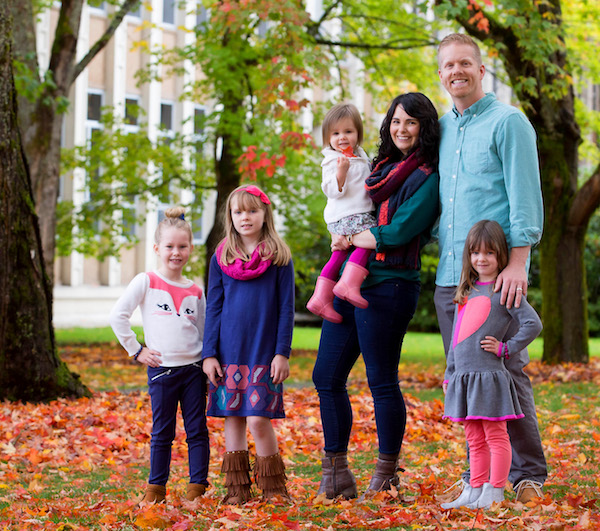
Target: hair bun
<point x="175" y="212"/>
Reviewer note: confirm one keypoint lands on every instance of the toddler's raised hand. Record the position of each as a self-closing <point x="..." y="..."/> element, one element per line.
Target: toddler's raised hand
<point x="342" y="169"/>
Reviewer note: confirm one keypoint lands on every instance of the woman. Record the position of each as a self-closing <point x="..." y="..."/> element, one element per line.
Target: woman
<point x="404" y="187"/>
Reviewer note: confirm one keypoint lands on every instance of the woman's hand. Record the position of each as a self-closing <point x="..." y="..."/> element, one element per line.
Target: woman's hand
<point x="339" y="242"/>
<point x="280" y="369"/>
<point x="490" y="344"/>
<point x="212" y="368"/>
<point x="148" y="357"/>
<point x="444" y="387"/>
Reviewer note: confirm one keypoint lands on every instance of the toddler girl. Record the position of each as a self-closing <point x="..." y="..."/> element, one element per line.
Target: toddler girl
<point x="249" y="324"/>
<point x="349" y="210"/>
<point x="173" y="310"/>
<point x="479" y="390"/>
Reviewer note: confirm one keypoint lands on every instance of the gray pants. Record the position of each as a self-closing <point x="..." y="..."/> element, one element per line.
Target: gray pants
<point x="528" y="461"/>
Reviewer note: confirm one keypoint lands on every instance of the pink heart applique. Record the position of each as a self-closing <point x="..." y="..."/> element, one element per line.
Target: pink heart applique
<point x="471" y="317"/>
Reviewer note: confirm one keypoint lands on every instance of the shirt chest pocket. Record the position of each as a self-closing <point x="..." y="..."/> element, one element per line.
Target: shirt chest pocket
<point x="476" y="157"/>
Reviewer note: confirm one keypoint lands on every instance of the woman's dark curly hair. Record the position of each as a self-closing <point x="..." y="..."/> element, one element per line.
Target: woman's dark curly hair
<point x="420" y="107"/>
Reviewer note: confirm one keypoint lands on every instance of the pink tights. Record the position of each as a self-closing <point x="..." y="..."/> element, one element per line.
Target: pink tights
<point x="490" y="453"/>
<point x="332" y="268"/>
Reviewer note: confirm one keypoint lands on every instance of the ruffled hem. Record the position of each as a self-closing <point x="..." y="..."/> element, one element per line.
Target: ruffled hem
<point x="488" y="395"/>
<point x="492" y="419"/>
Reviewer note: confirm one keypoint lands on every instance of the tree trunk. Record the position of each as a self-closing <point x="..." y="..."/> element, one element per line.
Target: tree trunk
<point x="29" y="366"/>
<point x="564" y="309"/>
<point x="228" y="177"/>
<point x="562" y="268"/>
<point x="41" y="120"/>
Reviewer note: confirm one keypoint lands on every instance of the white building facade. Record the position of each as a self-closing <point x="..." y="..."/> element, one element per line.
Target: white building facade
<point x="86" y="288"/>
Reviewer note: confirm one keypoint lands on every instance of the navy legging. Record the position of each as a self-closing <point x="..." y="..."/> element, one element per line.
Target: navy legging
<point x="169" y="387"/>
<point x="376" y="332"/>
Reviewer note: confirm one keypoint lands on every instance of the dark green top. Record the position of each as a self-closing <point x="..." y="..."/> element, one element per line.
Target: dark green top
<point x="414" y="217"/>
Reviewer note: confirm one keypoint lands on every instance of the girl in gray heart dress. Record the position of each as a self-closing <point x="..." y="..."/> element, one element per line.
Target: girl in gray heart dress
<point x="479" y="390"/>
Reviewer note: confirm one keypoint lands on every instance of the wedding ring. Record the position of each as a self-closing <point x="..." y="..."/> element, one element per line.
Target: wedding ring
<point x="519" y="289"/>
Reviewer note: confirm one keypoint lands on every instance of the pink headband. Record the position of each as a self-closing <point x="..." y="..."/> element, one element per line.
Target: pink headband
<point x="256" y="191"/>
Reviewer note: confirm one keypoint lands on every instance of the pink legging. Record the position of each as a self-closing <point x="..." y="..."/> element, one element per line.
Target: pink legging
<point x="358" y="255"/>
<point x="490" y="453"/>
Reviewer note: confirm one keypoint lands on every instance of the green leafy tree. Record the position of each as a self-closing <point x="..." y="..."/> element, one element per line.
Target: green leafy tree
<point x="544" y="54"/>
<point x="259" y="59"/>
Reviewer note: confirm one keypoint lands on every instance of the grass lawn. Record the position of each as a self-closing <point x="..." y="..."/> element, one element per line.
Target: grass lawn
<point x="418" y="346"/>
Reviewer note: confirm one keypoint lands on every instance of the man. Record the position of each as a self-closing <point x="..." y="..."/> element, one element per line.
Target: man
<point x="489" y="170"/>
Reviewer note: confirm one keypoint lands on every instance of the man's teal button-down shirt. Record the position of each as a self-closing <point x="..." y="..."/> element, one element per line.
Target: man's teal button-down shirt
<point x="488" y="170"/>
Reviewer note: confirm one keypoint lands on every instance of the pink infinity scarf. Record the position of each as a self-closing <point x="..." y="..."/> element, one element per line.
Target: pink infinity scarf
<point x="244" y="270"/>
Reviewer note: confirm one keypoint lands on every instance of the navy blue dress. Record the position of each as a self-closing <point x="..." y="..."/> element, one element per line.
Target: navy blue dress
<point x="248" y="322"/>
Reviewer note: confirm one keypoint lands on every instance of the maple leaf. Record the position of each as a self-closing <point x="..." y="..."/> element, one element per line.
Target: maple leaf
<point x="150" y="518"/>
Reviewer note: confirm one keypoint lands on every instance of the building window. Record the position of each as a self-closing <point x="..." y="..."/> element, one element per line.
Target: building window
<point x="201" y="15"/>
<point x="197" y="230"/>
<point x="199" y="116"/>
<point x="198" y="136"/>
<point x="94" y="112"/>
<point x="129" y="226"/>
<point x="98" y="6"/>
<point x="132" y="111"/>
<point x="136" y="11"/>
<point x="169" y="11"/>
<point x="595" y="98"/>
<point x="166" y="116"/>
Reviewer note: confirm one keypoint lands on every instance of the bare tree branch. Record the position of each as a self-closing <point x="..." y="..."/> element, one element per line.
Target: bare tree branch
<point x="586" y="201"/>
<point x="383" y="46"/>
<point x="102" y="41"/>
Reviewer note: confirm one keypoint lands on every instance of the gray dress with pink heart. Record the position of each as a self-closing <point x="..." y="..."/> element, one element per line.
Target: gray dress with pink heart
<point x="479" y="385"/>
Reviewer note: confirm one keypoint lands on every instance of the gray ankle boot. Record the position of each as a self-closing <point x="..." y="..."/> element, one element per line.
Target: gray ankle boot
<point x="384" y="475"/>
<point x="337" y="479"/>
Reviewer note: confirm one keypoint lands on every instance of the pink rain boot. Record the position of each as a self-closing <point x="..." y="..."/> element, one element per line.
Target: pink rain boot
<point x="348" y="287"/>
<point x="321" y="303"/>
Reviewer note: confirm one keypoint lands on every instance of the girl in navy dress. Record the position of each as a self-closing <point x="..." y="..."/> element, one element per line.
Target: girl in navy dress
<point x="247" y="342"/>
<point x="480" y="392"/>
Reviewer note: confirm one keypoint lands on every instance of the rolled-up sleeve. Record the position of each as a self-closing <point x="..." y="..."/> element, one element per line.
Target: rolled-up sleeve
<point x="518" y="151"/>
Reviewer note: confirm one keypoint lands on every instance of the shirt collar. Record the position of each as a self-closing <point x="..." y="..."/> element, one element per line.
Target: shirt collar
<point x="478" y="107"/>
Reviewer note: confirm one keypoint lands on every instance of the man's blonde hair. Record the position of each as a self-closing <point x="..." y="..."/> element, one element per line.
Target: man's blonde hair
<point x="460" y="38"/>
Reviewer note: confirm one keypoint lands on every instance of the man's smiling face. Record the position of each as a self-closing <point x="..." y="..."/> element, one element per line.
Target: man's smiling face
<point x="461" y="74"/>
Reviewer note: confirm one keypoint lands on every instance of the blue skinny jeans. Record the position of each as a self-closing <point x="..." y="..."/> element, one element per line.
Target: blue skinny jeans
<point x="168" y="387"/>
<point x="376" y="332"/>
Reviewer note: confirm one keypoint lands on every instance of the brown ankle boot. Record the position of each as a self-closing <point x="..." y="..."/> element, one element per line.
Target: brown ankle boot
<point x="236" y="467"/>
<point x="269" y="474"/>
<point x="337" y="479"/>
<point x="384" y="476"/>
<point x="195" y="490"/>
<point x="154" y="494"/>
